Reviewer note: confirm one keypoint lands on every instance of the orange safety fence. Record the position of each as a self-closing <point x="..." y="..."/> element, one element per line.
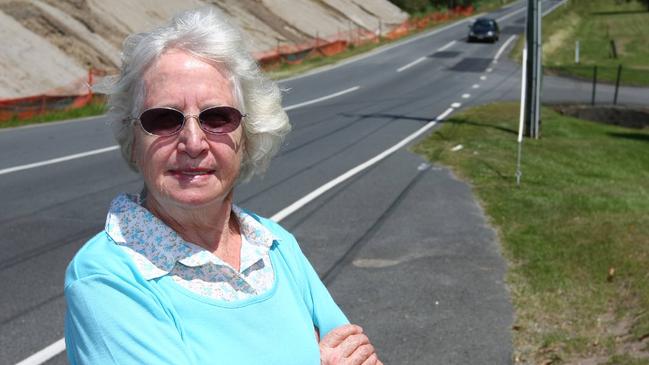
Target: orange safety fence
<point x="75" y="95"/>
<point x="418" y="23"/>
<point x="79" y="93"/>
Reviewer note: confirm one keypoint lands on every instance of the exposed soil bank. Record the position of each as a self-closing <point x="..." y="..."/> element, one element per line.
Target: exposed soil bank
<point x="630" y="117"/>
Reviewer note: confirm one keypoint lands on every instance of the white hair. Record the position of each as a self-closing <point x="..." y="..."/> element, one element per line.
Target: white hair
<point x="208" y="34"/>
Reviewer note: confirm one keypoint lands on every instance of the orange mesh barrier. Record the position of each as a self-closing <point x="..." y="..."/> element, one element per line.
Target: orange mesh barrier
<point x="72" y="96"/>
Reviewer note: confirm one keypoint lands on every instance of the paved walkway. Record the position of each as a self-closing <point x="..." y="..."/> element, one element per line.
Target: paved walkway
<point x="424" y="275"/>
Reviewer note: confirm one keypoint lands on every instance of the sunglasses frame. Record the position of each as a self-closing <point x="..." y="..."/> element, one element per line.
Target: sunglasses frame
<point x="138" y="120"/>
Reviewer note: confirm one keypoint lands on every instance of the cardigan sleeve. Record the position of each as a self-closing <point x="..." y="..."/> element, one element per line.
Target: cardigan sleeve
<point x="109" y="321"/>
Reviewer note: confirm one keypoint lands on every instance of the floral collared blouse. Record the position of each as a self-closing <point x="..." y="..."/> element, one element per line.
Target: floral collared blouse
<point x="158" y="250"/>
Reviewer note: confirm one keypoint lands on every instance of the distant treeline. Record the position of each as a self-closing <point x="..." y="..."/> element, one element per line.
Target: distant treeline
<point x="418" y="6"/>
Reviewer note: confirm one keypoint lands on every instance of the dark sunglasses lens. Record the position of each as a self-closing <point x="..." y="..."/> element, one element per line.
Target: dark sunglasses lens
<point x="162" y="121"/>
<point x="220" y="119"/>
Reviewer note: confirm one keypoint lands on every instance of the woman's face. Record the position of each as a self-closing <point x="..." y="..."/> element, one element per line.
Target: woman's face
<point x="191" y="168"/>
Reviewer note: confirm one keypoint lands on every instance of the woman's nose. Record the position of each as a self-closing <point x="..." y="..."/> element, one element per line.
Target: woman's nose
<point x="192" y="138"/>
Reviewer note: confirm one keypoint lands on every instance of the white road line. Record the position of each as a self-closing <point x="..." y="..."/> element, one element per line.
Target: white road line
<point x="502" y="18"/>
<point x="483" y="77"/>
<point x="466" y="96"/>
<point x="326" y="97"/>
<point x="112" y="148"/>
<point x="475" y="86"/>
<point x="277" y="217"/>
<point x="447" y="46"/>
<point x="490" y="69"/>
<point x="45" y="354"/>
<point x="554" y="7"/>
<point x="57" y="160"/>
<point x="420" y="59"/>
<point x="456" y="105"/>
<point x="502" y="48"/>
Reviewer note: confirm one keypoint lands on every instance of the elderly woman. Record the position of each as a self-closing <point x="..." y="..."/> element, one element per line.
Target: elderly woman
<point x="180" y="275"/>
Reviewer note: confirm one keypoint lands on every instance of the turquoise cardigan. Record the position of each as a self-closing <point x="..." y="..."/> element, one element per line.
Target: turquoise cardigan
<point x="115" y="316"/>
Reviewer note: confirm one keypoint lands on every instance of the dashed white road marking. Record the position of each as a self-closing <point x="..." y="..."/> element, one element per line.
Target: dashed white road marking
<point x="466" y="96"/>
<point x="418" y="60"/>
<point x="475" y="86"/>
<point x="483" y="77"/>
<point x="490" y="69"/>
<point x="446" y="46"/>
<point x="323" y="98"/>
<point x="456" y="105"/>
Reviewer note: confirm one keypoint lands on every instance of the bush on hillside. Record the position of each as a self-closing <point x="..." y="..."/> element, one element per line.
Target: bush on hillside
<point x="418" y="6"/>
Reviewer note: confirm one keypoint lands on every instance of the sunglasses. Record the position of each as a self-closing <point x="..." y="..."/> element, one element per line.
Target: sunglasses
<point x="165" y="121"/>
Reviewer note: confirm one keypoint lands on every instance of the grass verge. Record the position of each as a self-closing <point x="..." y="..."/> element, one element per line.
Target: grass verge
<point x="93" y="109"/>
<point x="595" y="24"/>
<point x="576" y="231"/>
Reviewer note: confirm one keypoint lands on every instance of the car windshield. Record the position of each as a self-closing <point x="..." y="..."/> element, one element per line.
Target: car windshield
<point x="483" y="25"/>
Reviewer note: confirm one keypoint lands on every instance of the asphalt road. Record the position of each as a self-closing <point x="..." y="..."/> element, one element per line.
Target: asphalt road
<point x="402" y="245"/>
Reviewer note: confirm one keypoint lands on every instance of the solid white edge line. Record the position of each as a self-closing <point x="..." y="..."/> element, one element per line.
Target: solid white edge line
<point x="554" y="7"/>
<point x="502" y="48"/>
<point x="57" y="160"/>
<point x="279" y="216"/>
<point x="502" y="18"/>
<point x="411" y="64"/>
<point x="45" y="354"/>
<point x="446" y="46"/>
<point x="326" y="97"/>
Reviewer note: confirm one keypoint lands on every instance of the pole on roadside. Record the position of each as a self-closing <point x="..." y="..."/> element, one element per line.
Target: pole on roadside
<point x="592" y="101"/>
<point x="533" y="69"/>
<point x="617" y="83"/>
<point x="539" y="73"/>
<point x="521" y="119"/>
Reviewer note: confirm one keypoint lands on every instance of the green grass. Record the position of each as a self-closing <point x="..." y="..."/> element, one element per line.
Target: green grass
<point x="595" y="23"/>
<point x="580" y="211"/>
<point x="97" y="107"/>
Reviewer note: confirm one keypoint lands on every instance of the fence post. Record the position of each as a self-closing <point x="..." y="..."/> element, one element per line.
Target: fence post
<point x="577" y="52"/>
<point x="592" y="102"/>
<point x="42" y="105"/>
<point x="90" y="81"/>
<point x="617" y="83"/>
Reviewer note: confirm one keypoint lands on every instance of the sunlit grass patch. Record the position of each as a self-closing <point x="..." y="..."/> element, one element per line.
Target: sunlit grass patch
<point x="576" y="231"/>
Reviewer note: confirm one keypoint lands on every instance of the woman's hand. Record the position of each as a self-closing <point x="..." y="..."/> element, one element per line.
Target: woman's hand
<point x="347" y="345"/>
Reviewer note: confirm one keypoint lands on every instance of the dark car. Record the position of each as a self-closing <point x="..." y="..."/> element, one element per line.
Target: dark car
<point x="484" y="29"/>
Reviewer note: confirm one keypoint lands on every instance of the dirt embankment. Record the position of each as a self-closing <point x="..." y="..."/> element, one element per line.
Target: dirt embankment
<point x="52" y="43"/>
